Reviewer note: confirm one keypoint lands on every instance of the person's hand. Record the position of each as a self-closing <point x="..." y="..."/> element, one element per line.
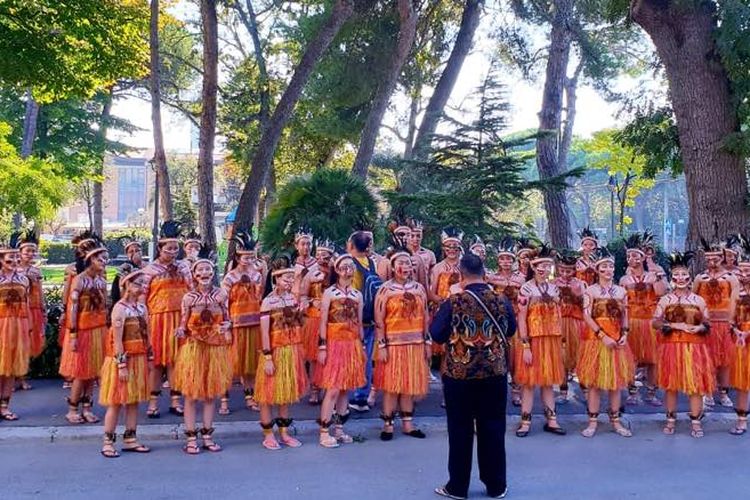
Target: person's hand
<point x="608" y="342"/>
<point x="122" y="374"/>
<point x="322" y="355"/>
<point x="528" y="358"/>
<point x="179" y="332"/>
<point x="623" y="341"/>
<point x="73" y="344"/>
<point x="741" y="338"/>
<point x="268" y="367"/>
<point x="383" y="354"/>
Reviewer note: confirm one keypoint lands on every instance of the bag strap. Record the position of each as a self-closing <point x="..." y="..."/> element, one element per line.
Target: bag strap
<point x="488" y="313"/>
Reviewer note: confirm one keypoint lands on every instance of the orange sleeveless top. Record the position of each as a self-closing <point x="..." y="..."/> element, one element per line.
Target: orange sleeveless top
<point x="134" y="336"/>
<point x="315" y="293"/>
<point x="641" y="300"/>
<point x="444" y="283"/>
<point x="543" y="318"/>
<point x="343" y="320"/>
<point x="587" y="275"/>
<point x="286" y="326"/>
<point x="166" y="292"/>
<point x="12" y="300"/>
<point x="404" y="319"/>
<point x="571" y="305"/>
<point x="92" y="309"/>
<point x="607" y="313"/>
<point x="244" y="303"/>
<point x="683" y="313"/>
<point x="203" y="325"/>
<point x="717" y="294"/>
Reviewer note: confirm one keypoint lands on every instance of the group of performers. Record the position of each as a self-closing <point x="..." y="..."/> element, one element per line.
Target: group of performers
<point x="286" y="328"/>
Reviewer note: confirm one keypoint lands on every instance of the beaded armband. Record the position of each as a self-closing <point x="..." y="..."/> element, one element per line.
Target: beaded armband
<point x="122" y="359"/>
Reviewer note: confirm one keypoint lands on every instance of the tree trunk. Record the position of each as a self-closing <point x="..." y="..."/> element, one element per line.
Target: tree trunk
<point x="444" y="87"/>
<point x="97" y="188"/>
<point x="270" y="191"/>
<point x="207" y="135"/>
<point x="571" y="98"/>
<point x="160" y="157"/>
<point x="705" y="114"/>
<point x="404" y="42"/>
<point x="250" y="20"/>
<point x="412" y="130"/>
<point x="550" y="117"/>
<point x="29" y="125"/>
<point x="342" y="10"/>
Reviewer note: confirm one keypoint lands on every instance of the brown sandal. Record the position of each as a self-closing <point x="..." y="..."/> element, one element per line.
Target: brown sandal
<point x="108" y="447"/>
<point x="191" y="447"/>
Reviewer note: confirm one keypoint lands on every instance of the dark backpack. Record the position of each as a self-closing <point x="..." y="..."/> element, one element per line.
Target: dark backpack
<point x="371" y="283"/>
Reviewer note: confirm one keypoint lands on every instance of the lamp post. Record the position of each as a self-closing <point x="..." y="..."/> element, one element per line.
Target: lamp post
<point x="612" y="186"/>
<point x="155" y="228"/>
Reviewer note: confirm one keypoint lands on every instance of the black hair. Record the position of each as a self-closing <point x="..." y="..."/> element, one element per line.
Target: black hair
<point x="471" y="265"/>
<point x="361" y="241"/>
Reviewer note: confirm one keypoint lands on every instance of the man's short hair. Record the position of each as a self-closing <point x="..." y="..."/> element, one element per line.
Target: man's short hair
<point x="471" y="265"/>
<point x="361" y="240"/>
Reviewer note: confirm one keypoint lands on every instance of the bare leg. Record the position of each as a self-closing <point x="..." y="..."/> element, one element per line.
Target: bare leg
<point x="741" y="409"/>
<point x="593" y="404"/>
<point x="209" y="409"/>
<point x="527" y="404"/>
<point x="724" y="399"/>
<point x="76" y="392"/>
<point x="696" y="414"/>
<point x="266" y="423"/>
<point x="614" y="415"/>
<point x="174" y="396"/>
<point x="283" y="424"/>
<point x="111" y="417"/>
<point x="88" y="402"/>
<point x="651" y="386"/>
<point x="670" y="402"/>
<point x="190" y="412"/>
<point x="155" y="383"/>
<point x="548" y="398"/>
<point x="390" y="401"/>
<point x="129" y="438"/>
<point x="340" y="417"/>
<point x="6" y="390"/>
<point x="326" y="413"/>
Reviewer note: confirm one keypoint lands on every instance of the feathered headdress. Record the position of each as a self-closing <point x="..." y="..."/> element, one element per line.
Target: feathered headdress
<point x="281" y="264"/>
<point x="477" y="243"/>
<point x="543" y="253"/>
<point x="680" y="259"/>
<point x="507" y="246"/>
<point x="647" y="239"/>
<point x="302" y="234"/>
<point x="398" y="247"/>
<point x="192" y="237"/>
<point x="91" y="247"/>
<point x="567" y="258"/>
<point x="204" y="255"/>
<point x="451" y="234"/>
<point x="12" y="245"/>
<point x="128" y="272"/>
<point x="84" y="237"/>
<point x="712" y="248"/>
<point x="398" y="227"/>
<point x="325" y="245"/>
<point x="587" y="234"/>
<point x="29" y="238"/>
<point x="129" y="241"/>
<point x="733" y="244"/>
<point x="525" y="245"/>
<point x="170" y="231"/>
<point x="634" y="243"/>
<point x="416" y="226"/>
<point x="244" y="241"/>
<point x="602" y="255"/>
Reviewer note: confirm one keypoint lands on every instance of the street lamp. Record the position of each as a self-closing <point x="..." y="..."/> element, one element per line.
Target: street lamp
<point x="612" y="186"/>
<point x="155" y="228"/>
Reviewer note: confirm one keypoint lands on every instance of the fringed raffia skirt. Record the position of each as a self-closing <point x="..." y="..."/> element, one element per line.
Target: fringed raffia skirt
<point x="113" y="391"/>
<point x="601" y="367"/>
<point x="406" y="371"/>
<point x="546" y="367"/>
<point x="245" y="350"/>
<point x="686" y="367"/>
<point x="344" y="368"/>
<point x="739" y="371"/>
<point x="161" y="334"/>
<point x="288" y="382"/>
<point x="642" y="341"/>
<point x="310" y="335"/>
<point x="38" y="324"/>
<point x="14" y="347"/>
<point x="720" y="344"/>
<point x="86" y="362"/>
<point x="572" y="332"/>
<point x="203" y="371"/>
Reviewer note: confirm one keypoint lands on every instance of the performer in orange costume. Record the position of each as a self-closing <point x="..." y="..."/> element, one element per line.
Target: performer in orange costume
<point x="719" y="288"/>
<point x="14" y="325"/>
<point x="571" y="316"/>
<point x="83" y="350"/>
<point x="739" y="372"/>
<point x="167" y="280"/>
<point x="415" y="247"/>
<point x="244" y="287"/>
<point x="539" y="362"/>
<point x="685" y="363"/>
<point x="605" y="362"/>
<point x="29" y="250"/>
<point x="341" y="358"/>
<point x="305" y="263"/>
<point x="644" y="289"/>
<point x="585" y="266"/>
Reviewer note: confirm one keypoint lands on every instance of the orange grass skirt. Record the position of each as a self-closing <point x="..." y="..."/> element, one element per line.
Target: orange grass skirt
<point x="86" y="362"/>
<point x="14" y="347"/>
<point x="739" y="370"/>
<point x="686" y="367"/>
<point x="165" y="345"/>
<point x="288" y="382"/>
<point x="203" y="371"/>
<point x="546" y="367"/>
<point x="344" y="368"/>
<point x="643" y="341"/>
<point x="113" y="391"/>
<point x="572" y="333"/>
<point x="310" y="335"/>
<point x="38" y="324"/>
<point x="245" y="350"/>
<point x="603" y="368"/>
<point x="720" y="344"/>
<point x="406" y="371"/>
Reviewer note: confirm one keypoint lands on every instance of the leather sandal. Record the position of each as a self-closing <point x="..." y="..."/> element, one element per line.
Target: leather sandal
<point x="617" y="427"/>
<point x="589" y="431"/>
<point x="525" y="426"/>
<point x="551" y="416"/>
<point x="671" y="424"/>
<point x="131" y="444"/>
<point x="191" y="447"/>
<point x="108" y="446"/>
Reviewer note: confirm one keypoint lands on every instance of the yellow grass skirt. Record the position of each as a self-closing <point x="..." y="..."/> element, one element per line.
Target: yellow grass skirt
<point x="203" y="371"/>
<point x="603" y="368"/>
<point x="245" y="350"/>
<point x="546" y="367"/>
<point x="406" y="371"/>
<point x="686" y="367"/>
<point x="86" y="362"/>
<point x="720" y="344"/>
<point x="113" y="391"/>
<point x="288" y="382"/>
<point x="739" y="371"/>
<point x="165" y="345"/>
<point x="643" y="341"/>
<point x="572" y="333"/>
<point x="14" y="347"/>
<point x="344" y="368"/>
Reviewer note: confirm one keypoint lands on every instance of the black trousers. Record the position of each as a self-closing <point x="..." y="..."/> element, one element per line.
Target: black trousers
<point x="483" y="401"/>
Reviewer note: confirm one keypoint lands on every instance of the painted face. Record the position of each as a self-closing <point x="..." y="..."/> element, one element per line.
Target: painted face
<point x="713" y="261"/>
<point x="588" y="246"/>
<point x="730" y="258"/>
<point x="505" y="262"/>
<point x="606" y="270"/>
<point x="135" y="286"/>
<point x="566" y="272"/>
<point x="99" y="261"/>
<point x="204" y="273"/>
<point x="247" y="259"/>
<point x="680" y="278"/>
<point x="650" y="252"/>
<point x="285" y="281"/>
<point x="304" y="247"/>
<point x="543" y="269"/>
<point x="345" y="270"/>
<point x="11" y="260"/>
<point x="168" y="251"/>
<point x="415" y="239"/>
<point x="452" y="250"/>
<point x="403" y="234"/>
<point x="28" y="254"/>
<point x="191" y="250"/>
<point x="745" y="273"/>
<point x="322" y="256"/>
<point x="635" y="259"/>
<point x="480" y="251"/>
<point x="402" y="267"/>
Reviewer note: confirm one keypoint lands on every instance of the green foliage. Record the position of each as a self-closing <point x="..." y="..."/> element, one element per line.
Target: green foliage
<point x="653" y="135"/>
<point x="71" y="48"/>
<point x="329" y="202"/>
<point x="47" y="364"/>
<point x="32" y="187"/>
